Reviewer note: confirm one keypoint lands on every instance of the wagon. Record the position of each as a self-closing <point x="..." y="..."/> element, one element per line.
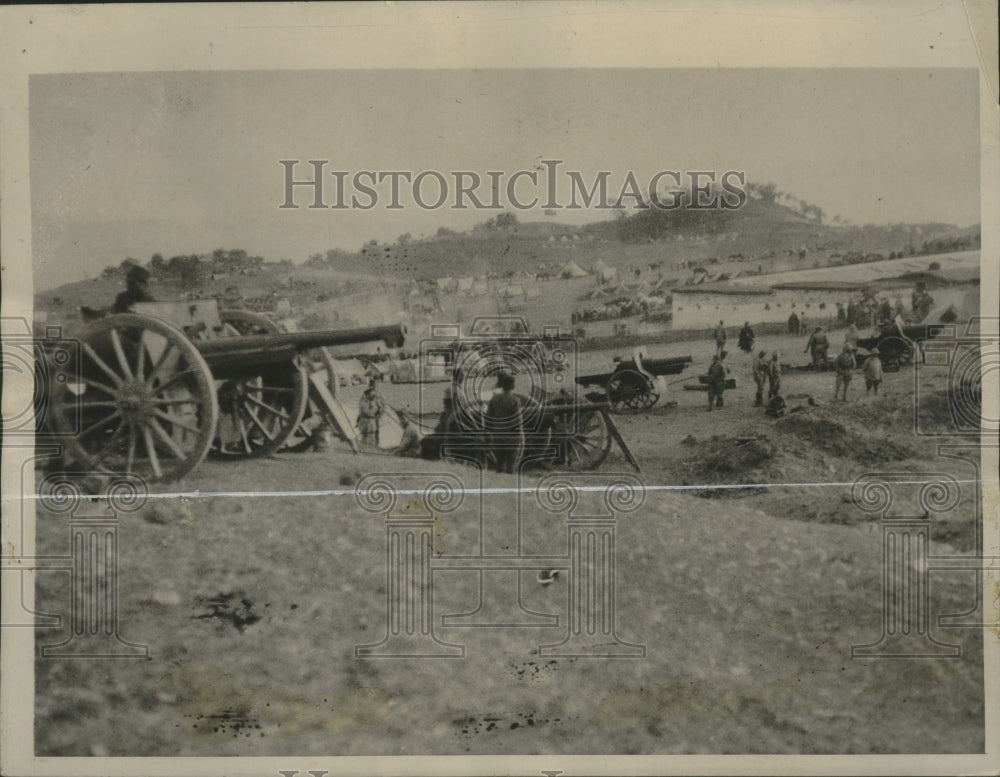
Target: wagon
<point x="635" y="384"/>
<point x="155" y="391"/>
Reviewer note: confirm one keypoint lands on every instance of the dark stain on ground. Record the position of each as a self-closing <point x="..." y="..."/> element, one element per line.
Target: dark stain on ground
<point x="233" y="607"/>
<point x="236" y="722"/>
<point x="508" y="721"/>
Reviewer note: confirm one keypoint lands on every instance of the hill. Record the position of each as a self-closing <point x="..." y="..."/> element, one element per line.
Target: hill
<point x="377" y="283"/>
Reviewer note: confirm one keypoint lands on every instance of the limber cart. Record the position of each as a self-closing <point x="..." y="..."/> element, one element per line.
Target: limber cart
<point x="155" y="391"/>
<point x="635" y="384"/>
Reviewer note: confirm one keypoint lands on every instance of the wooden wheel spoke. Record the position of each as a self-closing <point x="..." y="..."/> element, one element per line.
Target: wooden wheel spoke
<point x="281" y="412"/>
<point x="140" y="359"/>
<point x="100" y="386"/>
<point x="109" y="445"/>
<point x="182" y="375"/>
<point x="93" y="404"/>
<point x="160" y="363"/>
<point x="169" y="441"/>
<point x="130" y="456"/>
<point x="257" y="422"/>
<point x="175" y="421"/>
<point x="116" y="341"/>
<point x="243" y="431"/>
<point x="115" y="377"/>
<point x="179" y="401"/>
<point x="274" y="389"/>
<point x="154" y="460"/>
<point x="103" y="422"/>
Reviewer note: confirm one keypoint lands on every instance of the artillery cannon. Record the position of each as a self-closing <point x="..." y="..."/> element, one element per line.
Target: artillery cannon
<point x="896" y="343"/>
<point x="153" y="392"/>
<point x="635" y="384"/>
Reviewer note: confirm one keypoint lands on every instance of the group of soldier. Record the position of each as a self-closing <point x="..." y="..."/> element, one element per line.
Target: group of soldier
<point x="502" y="426"/>
<point x="766" y="368"/>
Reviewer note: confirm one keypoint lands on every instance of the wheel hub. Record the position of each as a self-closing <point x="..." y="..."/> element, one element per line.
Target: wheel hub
<point x="135" y="401"/>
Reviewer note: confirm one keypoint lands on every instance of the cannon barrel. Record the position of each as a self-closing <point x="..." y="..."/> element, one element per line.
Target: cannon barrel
<point x="278" y="347"/>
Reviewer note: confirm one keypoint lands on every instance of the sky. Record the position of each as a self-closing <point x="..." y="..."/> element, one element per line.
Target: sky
<point x="131" y="164"/>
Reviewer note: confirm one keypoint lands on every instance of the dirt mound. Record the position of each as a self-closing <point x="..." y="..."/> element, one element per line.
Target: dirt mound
<point x="730" y="461"/>
<point x="837" y="439"/>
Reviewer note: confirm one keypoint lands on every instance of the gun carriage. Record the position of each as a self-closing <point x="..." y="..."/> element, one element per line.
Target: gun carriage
<point x="635" y="384"/>
<point x="155" y="391"/>
<point x="896" y="343"/>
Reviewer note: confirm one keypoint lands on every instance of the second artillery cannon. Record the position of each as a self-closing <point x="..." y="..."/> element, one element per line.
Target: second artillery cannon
<point x="635" y="384"/>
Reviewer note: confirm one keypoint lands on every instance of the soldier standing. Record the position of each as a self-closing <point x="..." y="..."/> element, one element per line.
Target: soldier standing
<point x="845" y="366"/>
<point x="136" y="290"/>
<point x="716" y="382"/>
<point x="505" y="425"/>
<point x="746" y="338"/>
<point x="774" y="376"/>
<point x="873" y="372"/>
<point x="818" y="345"/>
<point x="760" y="371"/>
<point x="370" y="414"/>
<point x="720" y="338"/>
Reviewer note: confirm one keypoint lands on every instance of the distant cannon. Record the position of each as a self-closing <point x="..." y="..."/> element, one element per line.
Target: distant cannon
<point x="896" y="344"/>
<point x="153" y="392"/>
<point x="635" y="384"/>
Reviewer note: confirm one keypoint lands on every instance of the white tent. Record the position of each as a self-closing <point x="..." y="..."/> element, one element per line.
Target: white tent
<point x="605" y="273"/>
<point x="571" y="270"/>
<point x="350" y="371"/>
<point x="464" y="284"/>
<point x="404" y="371"/>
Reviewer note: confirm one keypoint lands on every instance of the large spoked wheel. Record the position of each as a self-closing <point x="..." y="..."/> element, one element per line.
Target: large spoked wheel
<point x="258" y="412"/>
<point x="896" y="353"/>
<point x="138" y="398"/>
<point x="630" y="391"/>
<point x="583" y="438"/>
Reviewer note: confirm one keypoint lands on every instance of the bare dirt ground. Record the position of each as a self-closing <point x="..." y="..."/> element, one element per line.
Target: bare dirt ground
<point x="747" y="600"/>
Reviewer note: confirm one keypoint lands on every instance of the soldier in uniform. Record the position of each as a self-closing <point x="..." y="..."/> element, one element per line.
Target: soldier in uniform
<point x="409" y="443"/>
<point x="716" y="382"/>
<point x="505" y="425"/>
<point x="760" y="370"/>
<point x="370" y="414"/>
<point x="720" y="338"/>
<point x="774" y="376"/>
<point x="746" y="338"/>
<point x="845" y="366"/>
<point x="136" y="290"/>
<point x="818" y="345"/>
<point x="873" y="372"/>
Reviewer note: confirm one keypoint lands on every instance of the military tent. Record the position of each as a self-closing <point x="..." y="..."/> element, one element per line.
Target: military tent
<point x="571" y="270"/>
<point x="404" y="371"/>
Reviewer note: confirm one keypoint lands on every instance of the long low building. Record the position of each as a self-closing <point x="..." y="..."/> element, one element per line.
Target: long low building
<point x="814" y="293"/>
